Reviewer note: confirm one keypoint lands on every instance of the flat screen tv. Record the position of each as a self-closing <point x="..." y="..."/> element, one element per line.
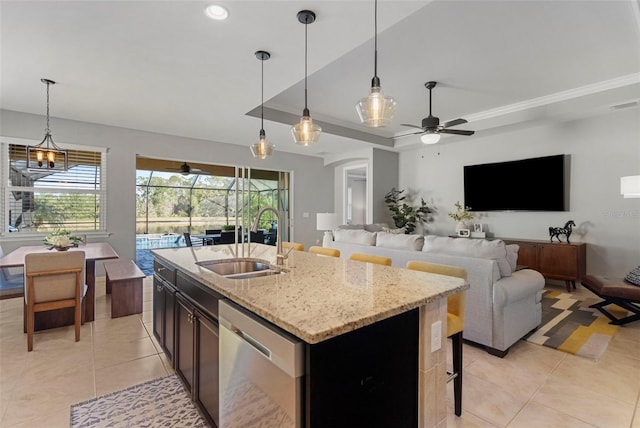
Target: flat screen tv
<point x="536" y="184"/>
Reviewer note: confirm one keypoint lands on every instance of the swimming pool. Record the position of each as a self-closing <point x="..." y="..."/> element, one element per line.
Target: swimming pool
<point x="150" y="241"/>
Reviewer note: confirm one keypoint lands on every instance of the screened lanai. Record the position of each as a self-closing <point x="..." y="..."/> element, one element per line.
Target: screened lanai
<point x="174" y="197"/>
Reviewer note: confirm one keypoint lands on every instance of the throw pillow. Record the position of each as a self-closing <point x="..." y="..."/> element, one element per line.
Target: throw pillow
<point x="398" y="231"/>
<point x="634" y="276"/>
<point x="512" y="255"/>
<point x="375" y="227"/>
<point x="399" y="242"/>
<point x="355" y="236"/>
<point x="480" y="248"/>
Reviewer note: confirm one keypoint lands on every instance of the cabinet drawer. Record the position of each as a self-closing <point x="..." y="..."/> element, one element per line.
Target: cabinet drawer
<point x="165" y="271"/>
<point x="203" y="297"/>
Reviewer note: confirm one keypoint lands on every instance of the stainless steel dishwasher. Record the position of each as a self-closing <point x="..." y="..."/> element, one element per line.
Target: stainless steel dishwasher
<point x="261" y="372"/>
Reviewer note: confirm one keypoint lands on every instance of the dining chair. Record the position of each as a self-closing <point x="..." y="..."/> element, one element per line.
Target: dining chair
<point x="455" y="322"/>
<point x="257" y="236"/>
<point x="54" y="280"/>
<point x="12" y="277"/>
<point x="333" y="252"/>
<point x="212" y="241"/>
<point x="293" y="246"/>
<point x="371" y="258"/>
<point x="187" y="239"/>
<point x="227" y="237"/>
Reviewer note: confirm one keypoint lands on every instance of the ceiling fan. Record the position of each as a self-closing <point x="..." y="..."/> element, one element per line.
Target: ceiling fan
<point x="432" y="128"/>
<point x="185" y="169"/>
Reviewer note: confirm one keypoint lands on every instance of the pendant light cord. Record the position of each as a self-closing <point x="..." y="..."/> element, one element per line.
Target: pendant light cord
<point x="262" y="97"/>
<point x="305" y="69"/>
<point x="375" y="40"/>
<point x="47" y="130"/>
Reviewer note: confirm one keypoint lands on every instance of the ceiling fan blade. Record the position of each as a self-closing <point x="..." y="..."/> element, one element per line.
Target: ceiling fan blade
<point x="408" y="134"/>
<point x="453" y="123"/>
<point x="456" y="131"/>
<point x="411" y="126"/>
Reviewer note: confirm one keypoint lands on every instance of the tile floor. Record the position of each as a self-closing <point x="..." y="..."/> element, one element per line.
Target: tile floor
<point x="533" y="386"/>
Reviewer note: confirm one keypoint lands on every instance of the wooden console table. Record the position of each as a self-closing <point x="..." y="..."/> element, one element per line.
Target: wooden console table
<point x="554" y="260"/>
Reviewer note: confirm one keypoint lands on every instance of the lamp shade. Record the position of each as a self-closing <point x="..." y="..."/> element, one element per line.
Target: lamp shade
<point x="326" y="221"/>
<point x="629" y="186"/>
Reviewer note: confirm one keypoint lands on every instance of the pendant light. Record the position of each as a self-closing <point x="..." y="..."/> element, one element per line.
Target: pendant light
<point x="306" y="132"/>
<point x="47" y="157"/>
<point x="377" y="109"/>
<point x="262" y="149"/>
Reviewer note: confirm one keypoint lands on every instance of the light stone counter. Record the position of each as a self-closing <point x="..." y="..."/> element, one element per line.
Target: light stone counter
<point x="319" y="297"/>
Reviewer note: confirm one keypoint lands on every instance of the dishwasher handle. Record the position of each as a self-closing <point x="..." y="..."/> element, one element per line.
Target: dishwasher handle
<point x="251" y="341"/>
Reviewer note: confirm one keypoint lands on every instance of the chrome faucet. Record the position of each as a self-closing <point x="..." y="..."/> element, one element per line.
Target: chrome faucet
<point x="280" y="256"/>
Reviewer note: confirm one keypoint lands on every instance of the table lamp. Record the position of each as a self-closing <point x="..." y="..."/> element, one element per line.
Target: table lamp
<point x="326" y="222"/>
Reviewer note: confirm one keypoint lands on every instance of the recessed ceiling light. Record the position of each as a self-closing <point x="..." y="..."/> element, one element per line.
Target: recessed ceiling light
<point x="216" y="12"/>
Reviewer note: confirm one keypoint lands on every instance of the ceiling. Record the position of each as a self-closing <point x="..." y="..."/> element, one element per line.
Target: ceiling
<point x="163" y="66"/>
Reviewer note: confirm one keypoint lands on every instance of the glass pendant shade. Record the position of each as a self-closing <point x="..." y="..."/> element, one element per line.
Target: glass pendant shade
<point x="377" y="109"/>
<point x="262" y="149"/>
<point x="305" y="132"/>
<point x="430" y="138"/>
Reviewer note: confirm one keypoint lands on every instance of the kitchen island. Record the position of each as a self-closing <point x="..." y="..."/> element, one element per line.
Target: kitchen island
<point x="351" y="316"/>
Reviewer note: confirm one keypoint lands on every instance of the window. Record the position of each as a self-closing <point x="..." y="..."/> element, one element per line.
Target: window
<point x="42" y="202"/>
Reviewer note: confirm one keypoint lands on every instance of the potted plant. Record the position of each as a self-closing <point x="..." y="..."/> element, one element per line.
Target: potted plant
<point x="229" y="227"/>
<point x="403" y="214"/>
<point x="461" y="215"/>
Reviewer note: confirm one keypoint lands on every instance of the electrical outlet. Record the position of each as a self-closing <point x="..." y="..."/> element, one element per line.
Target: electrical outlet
<point x="305" y="215"/>
<point x="436" y="336"/>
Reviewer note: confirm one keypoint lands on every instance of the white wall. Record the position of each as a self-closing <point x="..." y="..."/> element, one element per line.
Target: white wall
<point x="602" y="149"/>
<point x="313" y="183"/>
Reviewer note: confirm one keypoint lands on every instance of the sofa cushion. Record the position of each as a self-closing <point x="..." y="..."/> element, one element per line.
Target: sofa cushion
<point x="480" y="248"/>
<point x="355" y="236"/>
<point x="512" y="255"/>
<point x="399" y="242"/>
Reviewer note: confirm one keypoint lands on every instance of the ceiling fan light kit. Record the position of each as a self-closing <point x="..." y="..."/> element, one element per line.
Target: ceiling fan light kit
<point x="377" y="109"/>
<point x="305" y="132"/>
<point x="47" y="157"/>
<point x="430" y="138"/>
<point x="262" y="149"/>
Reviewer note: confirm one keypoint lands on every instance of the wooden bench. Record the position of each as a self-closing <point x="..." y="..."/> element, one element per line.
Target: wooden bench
<point x="124" y="282"/>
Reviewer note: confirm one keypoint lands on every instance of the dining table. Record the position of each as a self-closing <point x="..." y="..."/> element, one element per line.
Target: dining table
<point x="94" y="251"/>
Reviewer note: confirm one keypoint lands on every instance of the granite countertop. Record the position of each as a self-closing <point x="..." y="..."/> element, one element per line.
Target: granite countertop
<point x="319" y="297"/>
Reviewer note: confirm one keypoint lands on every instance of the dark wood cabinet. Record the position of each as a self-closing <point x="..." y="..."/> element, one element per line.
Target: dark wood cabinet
<point x="185" y="341"/>
<point x="554" y="260"/>
<point x="196" y="356"/>
<point x="164" y="293"/>
<point x="206" y="364"/>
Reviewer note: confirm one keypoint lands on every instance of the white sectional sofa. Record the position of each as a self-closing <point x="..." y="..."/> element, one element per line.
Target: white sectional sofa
<point x="503" y="304"/>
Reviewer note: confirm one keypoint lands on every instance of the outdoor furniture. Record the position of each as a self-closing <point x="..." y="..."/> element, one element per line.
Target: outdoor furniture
<point x="213" y="236"/>
<point x="614" y="291"/>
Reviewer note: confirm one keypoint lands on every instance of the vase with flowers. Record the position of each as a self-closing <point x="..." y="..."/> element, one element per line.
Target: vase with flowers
<point x="62" y="240"/>
<point x="461" y="215"/>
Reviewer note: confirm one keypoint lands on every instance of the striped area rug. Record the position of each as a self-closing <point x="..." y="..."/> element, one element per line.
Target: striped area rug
<point x="158" y="403"/>
<point x="570" y="325"/>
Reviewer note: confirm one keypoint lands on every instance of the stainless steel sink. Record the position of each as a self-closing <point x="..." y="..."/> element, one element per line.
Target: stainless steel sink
<point x="240" y="268"/>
